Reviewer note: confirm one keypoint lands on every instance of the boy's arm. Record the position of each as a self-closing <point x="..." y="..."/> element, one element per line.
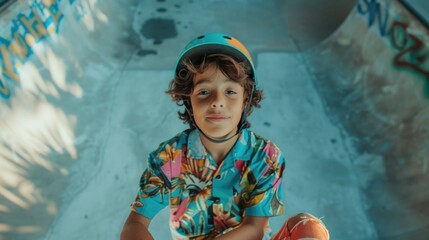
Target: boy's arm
<point x="252" y="228"/>
<point x="136" y="228"/>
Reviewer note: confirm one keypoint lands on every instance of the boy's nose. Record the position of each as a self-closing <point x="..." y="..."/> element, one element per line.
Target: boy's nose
<point x="217" y="101"/>
<point x="214" y="105"/>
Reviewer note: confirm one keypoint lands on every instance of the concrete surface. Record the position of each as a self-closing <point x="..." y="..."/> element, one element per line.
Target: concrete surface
<point x="80" y="114"/>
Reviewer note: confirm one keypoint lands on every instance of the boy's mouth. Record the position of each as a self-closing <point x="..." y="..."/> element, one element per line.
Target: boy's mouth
<point x="216" y="118"/>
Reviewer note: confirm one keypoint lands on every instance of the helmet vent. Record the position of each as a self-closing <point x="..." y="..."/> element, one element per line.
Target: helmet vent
<point x="227" y="37"/>
<point x="202" y="36"/>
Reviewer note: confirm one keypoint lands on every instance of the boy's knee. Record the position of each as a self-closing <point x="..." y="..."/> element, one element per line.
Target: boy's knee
<point x="298" y="217"/>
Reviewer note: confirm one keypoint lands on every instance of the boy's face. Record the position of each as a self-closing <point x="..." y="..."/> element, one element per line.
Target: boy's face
<point x="217" y="103"/>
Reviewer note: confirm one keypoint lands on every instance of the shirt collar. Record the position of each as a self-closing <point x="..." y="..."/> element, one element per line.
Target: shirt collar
<point x="242" y="149"/>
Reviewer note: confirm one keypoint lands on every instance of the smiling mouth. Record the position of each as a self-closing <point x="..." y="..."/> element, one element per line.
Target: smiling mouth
<point x="217" y="119"/>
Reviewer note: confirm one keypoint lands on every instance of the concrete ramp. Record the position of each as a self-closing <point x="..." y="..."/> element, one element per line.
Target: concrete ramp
<point x="82" y="104"/>
<point x="373" y="75"/>
<point x="59" y="63"/>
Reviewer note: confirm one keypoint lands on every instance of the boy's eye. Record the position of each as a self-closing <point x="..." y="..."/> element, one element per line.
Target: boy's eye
<point x="203" y="92"/>
<point x="230" y="92"/>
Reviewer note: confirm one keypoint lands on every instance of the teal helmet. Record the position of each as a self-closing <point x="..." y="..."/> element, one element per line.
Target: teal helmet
<point x="217" y="43"/>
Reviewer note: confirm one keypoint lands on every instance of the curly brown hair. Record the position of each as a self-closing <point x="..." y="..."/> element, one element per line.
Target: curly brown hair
<point x="181" y="87"/>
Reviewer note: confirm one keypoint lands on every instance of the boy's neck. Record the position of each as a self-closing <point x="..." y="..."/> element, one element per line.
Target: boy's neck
<point x="219" y="150"/>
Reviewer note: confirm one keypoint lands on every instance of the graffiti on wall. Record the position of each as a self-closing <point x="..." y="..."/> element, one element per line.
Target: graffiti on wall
<point x="375" y="13"/>
<point x="411" y="51"/>
<point x="42" y="20"/>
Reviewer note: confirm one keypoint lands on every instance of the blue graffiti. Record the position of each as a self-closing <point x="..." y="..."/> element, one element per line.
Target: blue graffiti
<point x="4" y="89"/>
<point x="26" y="30"/>
<point x="374" y="11"/>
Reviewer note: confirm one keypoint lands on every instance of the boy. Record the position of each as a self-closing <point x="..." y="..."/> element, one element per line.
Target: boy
<point x="219" y="179"/>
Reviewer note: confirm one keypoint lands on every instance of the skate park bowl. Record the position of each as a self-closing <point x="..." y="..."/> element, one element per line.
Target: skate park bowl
<point x="82" y="104"/>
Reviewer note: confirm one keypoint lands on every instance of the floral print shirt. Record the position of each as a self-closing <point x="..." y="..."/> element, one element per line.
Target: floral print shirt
<point x="205" y="199"/>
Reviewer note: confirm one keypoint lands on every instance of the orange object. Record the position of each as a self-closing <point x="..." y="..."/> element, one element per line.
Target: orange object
<point x="307" y="228"/>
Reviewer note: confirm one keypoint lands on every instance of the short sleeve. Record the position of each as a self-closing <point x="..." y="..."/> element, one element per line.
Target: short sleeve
<point x="152" y="196"/>
<point x="266" y="199"/>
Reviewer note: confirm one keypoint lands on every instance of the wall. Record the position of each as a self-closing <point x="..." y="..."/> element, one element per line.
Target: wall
<point x="379" y="94"/>
<point x="51" y="64"/>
